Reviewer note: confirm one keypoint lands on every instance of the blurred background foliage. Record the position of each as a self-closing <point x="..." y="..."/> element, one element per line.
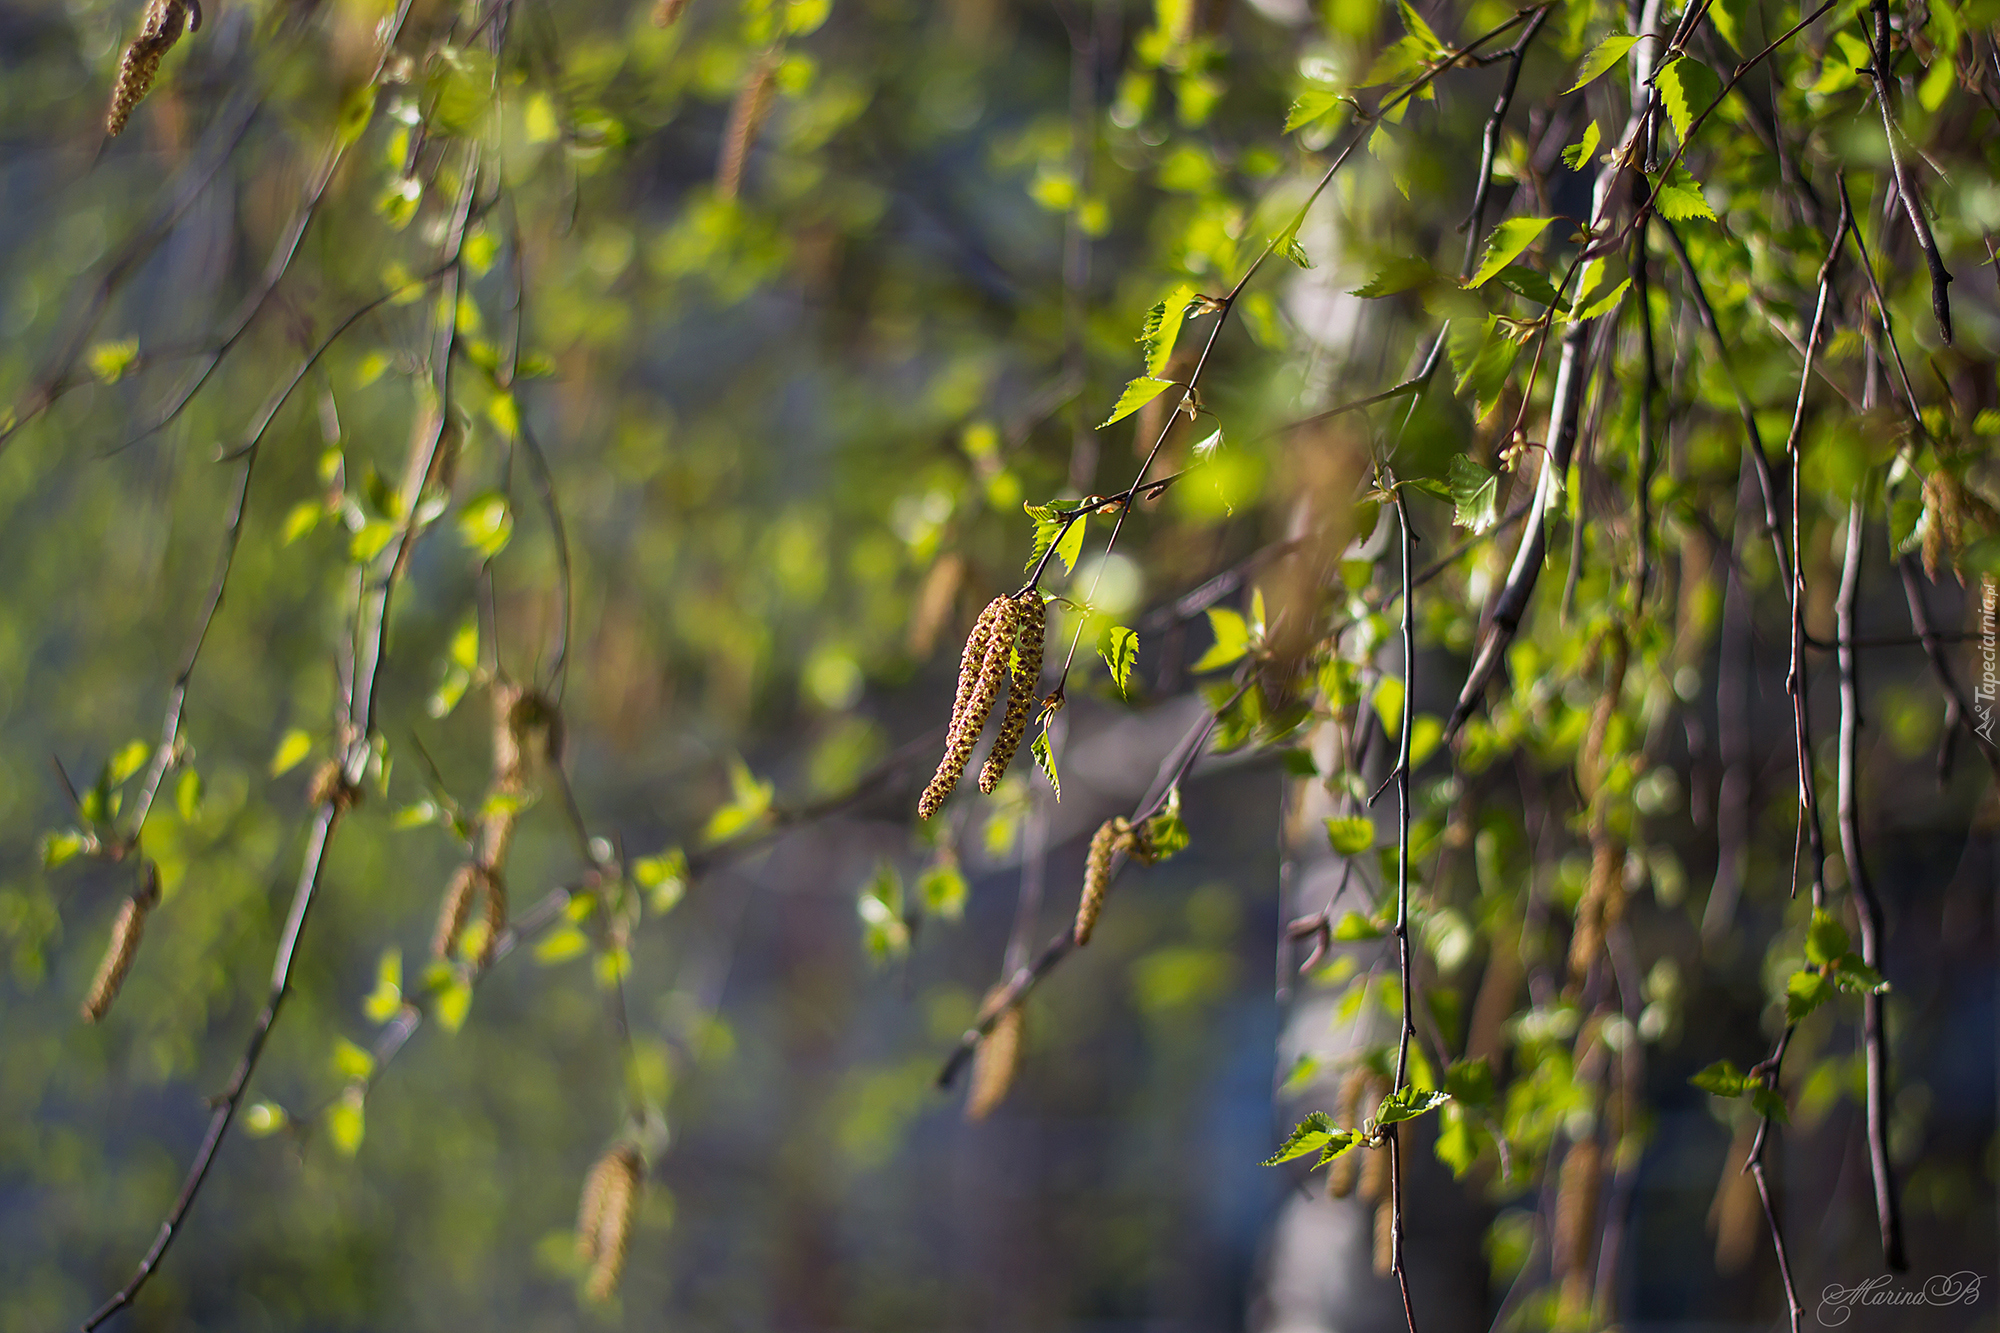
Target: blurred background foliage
<point x="785" y="308"/>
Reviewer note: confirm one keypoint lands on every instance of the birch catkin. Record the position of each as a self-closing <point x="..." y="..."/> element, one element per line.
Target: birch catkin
<point x="1576" y="1225"/>
<point x="1097" y="874"/>
<point x="994" y="1062"/>
<point x="604" y="1218"/>
<point x="668" y="12"/>
<point x="746" y="118"/>
<point x="981" y="668"/>
<point x="1031" y="623"/>
<point x="456" y="908"/>
<point x="126" y="929"/>
<point x="1341" y="1172"/>
<point x="158" y="31"/>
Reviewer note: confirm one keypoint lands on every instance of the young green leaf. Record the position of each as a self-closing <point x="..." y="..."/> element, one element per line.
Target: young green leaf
<point x="1354" y="926"/>
<point x="1163" y="326"/>
<point x="1602" y="57"/>
<point x="1687" y="88"/>
<point x="1119" y="647"/>
<point x="1826" y="938"/>
<point x="1315" y="1133"/>
<point x="1506" y="243"/>
<point x="1232" y="639"/>
<point x="294" y="747"/>
<point x="1398" y="275"/>
<point x="1409" y="1103"/>
<point x="942" y="890"/>
<point x="1310" y="106"/>
<point x="1580" y="152"/>
<point x="1721" y="1078"/>
<point x="1351" y="835"/>
<point x="1045" y="760"/>
<point x="1805" y="991"/>
<point x="1475" y="494"/>
<point x="1137" y="394"/>
<point x="1166" y="832"/>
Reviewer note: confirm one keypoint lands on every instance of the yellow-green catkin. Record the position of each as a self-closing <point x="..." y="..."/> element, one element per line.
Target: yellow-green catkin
<point x="994" y="1062"/>
<point x="1031" y="624"/>
<point x="746" y="118"/>
<point x="126" y="930"/>
<point x="158" y="31"/>
<point x="456" y="908"/>
<point x="981" y="669"/>
<point x="1576" y="1226"/>
<point x="604" y="1218"/>
<point x="1340" y="1173"/>
<point x="1097" y="874"/>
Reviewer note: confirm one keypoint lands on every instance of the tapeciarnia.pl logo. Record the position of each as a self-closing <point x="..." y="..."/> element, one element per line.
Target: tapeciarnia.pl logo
<point x="1837" y="1304"/>
<point x="1989" y="661"/>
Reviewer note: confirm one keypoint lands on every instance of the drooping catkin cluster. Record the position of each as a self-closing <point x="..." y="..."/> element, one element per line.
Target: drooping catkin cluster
<point x="1340" y="1174"/>
<point x="158" y="31"/>
<point x="527" y="733"/>
<point x="994" y="1062"/>
<point x="746" y="118"/>
<point x="126" y="929"/>
<point x="604" y="1217"/>
<point x="1006" y="625"/>
<point x="1603" y="901"/>
<point x="1024" y="673"/>
<point x="1576" y="1225"/>
<point x="1114" y="835"/>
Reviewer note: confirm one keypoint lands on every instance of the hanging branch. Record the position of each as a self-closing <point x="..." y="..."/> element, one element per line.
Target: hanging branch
<point x="337" y="790"/>
<point x="1564" y="409"/>
<point x="1868" y="908"/>
<point x="1899" y="169"/>
<point x="1402" y="932"/>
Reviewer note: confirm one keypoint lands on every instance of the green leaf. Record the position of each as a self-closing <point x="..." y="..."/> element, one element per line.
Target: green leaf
<point x="1137" y="394"/>
<point x="1679" y="198"/>
<point x="1470" y="1082"/>
<point x="1770" y="1103"/>
<point x="1475" y="494"/>
<point x="1687" y="88"/>
<point x="1413" y="23"/>
<point x="561" y="945"/>
<point x="1580" y="152"/>
<point x="1826" y="938"/>
<point x="387" y="997"/>
<point x="1119" y="647"/>
<point x="1398" y="275"/>
<point x="880" y="906"/>
<point x="1310" y="106"/>
<point x="1163" y="327"/>
<point x="187" y="795"/>
<point x="1354" y="926"/>
<point x="127" y="761"/>
<point x="485" y="523"/>
<point x="1593" y="308"/>
<point x="1315" y="1133"/>
<point x="1352" y="835"/>
<point x="370" y="540"/>
<point x="295" y="746"/>
<point x="1289" y="247"/>
<point x="1524" y="281"/>
<point x="1409" y="1103"/>
<point x="352" y="1062"/>
<point x="1805" y="991"/>
<point x="1601" y="58"/>
<point x="943" y="890"/>
<point x="1855" y="977"/>
<point x="1506" y="243"/>
<point x="1232" y="639"/>
<point x="1046" y="761"/>
<point x="346" y="1122"/>
<point x="110" y="360"/>
<point x="60" y="847"/>
<point x="1721" y="1078"/>
<point x="453" y="1001"/>
<point x="300" y="519"/>
<point x="1732" y="18"/>
<point x="664" y="879"/>
<point x="750" y="801"/>
<point x="1166" y="832"/>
